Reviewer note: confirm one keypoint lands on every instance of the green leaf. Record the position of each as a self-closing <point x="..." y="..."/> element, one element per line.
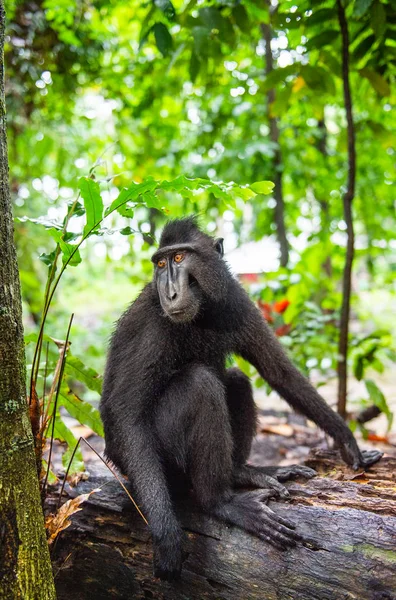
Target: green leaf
<point x="194" y="66"/>
<point x="358" y="368"/>
<point x="166" y="7"/>
<point x="201" y="41"/>
<point x="379" y="400"/>
<point x="145" y="28"/>
<point x="75" y="368"/>
<point x="214" y="21"/>
<point x="70" y="252"/>
<point x="151" y="200"/>
<point x="64" y="434"/>
<point x="131" y="194"/>
<point x="380" y="84"/>
<point x="84" y="412"/>
<point x="318" y="78"/>
<point x="44" y="221"/>
<point x="262" y="187"/>
<point x="93" y="203"/>
<point x="363" y="47"/>
<point x="322" y="15"/>
<point x="241" y="18"/>
<point x="33" y="337"/>
<point x="48" y="259"/>
<point x="361" y="7"/>
<point x="52" y="478"/>
<point x="163" y="38"/>
<point x="211" y="17"/>
<point x="378" y="19"/>
<point x="322" y="39"/>
<point x="127" y="230"/>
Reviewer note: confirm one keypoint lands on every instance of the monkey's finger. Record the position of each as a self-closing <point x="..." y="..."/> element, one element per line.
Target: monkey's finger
<point x="266" y="494"/>
<point x="285" y="531"/>
<point x="272" y="542"/>
<point x="274" y="484"/>
<point x="279" y="538"/>
<point x="366" y="459"/>
<point x="281" y="490"/>
<point x="261" y="494"/>
<point x="281" y="520"/>
<point x="371" y="456"/>
<point x="285" y="473"/>
<point x="302" y="471"/>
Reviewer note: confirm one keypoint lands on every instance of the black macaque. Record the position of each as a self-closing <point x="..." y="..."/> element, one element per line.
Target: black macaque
<point x="169" y="404"/>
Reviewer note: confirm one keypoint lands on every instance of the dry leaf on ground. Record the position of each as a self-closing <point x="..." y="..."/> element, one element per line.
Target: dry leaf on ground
<point x="61" y="519"/>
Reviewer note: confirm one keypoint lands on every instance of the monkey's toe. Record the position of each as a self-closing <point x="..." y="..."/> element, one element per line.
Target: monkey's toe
<point x="292" y="471"/>
<point x="369" y="457"/>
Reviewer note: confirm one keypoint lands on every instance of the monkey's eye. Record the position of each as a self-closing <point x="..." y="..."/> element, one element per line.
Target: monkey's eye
<point x="161" y="263"/>
<point x="178" y="257"/>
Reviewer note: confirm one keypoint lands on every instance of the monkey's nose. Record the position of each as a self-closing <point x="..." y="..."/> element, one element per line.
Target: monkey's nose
<point x="171" y="294"/>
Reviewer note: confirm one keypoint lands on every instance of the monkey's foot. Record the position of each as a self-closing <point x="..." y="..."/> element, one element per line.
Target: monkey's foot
<point x="249" y="476"/>
<point x="289" y="472"/>
<point x="248" y="511"/>
<point x="358" y="459"/>
<point x="370" y="457"/>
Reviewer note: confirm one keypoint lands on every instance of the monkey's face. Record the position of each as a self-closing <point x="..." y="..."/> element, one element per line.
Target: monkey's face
<point x="178" y="290"/>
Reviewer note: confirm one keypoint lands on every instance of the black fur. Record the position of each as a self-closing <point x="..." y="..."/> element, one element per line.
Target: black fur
<point x="169" y="404"/>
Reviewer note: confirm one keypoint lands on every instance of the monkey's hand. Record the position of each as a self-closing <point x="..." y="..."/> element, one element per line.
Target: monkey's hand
<point x="268" y="478"/>
<point x="252" y="476"/>
<point x="358" y="459"/>
<point x="248" y="511"/>
<point x="168" y="557"/>
<point x="291" y="471"/>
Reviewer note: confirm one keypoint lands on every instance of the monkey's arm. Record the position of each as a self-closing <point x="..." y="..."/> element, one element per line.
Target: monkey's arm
<point x="127" y="409"/>
<point x="135" y="446"/>
<point x="259" y="346"/>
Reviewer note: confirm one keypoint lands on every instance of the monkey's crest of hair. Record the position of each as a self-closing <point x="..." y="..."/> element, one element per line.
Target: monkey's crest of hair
<point x="183" y="231"/>
<point x="210" y="270"/>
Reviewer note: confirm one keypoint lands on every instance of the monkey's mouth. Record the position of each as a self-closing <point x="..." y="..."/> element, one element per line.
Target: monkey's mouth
<point x="181" y="315"/>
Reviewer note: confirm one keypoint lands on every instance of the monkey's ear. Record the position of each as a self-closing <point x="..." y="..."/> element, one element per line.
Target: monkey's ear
<point x="218" y="244"/>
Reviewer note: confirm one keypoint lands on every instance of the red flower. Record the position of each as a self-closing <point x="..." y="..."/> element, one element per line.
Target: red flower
<point x="282" y="330"/>
<point x="280" y="306"/>
<point x="266" y="311"/>
<point x="249" y="277"/>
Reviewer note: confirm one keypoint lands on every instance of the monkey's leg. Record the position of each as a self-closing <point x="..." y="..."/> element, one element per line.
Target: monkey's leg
<point x="243" y="414"/>
<point x="195" y="426"/>
<point x="243" y="418"/>
<point x="194" y="432"/>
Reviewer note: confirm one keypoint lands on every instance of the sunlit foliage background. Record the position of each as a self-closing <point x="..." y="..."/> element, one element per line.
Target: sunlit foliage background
<point x="123" y="91"/>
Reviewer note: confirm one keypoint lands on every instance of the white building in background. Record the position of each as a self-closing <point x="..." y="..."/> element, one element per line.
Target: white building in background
<point x="254" y="258"/>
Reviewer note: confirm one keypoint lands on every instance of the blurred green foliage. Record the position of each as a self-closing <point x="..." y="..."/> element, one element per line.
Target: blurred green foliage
<point x="164" y="101"/>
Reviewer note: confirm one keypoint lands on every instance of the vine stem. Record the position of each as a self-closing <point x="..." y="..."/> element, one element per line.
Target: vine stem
<point x="342" y="367"/>
<point x="50" y="294"/>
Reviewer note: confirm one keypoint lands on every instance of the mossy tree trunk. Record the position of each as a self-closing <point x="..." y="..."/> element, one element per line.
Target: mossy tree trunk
<point x="25" y="568"/>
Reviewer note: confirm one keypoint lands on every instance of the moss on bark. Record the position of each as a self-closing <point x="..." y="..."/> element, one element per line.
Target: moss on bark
<point x="25" y="567"/>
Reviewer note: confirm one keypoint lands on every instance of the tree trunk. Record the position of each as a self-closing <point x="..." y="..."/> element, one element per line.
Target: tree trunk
<point x="25" y="568"/>
<point x="349" y="553"/>
<point x="342" y="367"/>
<point x="324" y="202"/>
<point x="276" y="175"/>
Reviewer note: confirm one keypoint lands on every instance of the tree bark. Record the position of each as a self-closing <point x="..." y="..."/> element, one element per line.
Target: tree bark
<point x="342" y="367"/>
<point x="276" y="176"/>
<point x="349" y="528"/>
<point x="324" y="202"/>
<point x="25" y="568"/>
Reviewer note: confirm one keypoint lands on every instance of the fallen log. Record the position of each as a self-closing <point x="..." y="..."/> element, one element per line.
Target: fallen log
<point x="347" y="518"/>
